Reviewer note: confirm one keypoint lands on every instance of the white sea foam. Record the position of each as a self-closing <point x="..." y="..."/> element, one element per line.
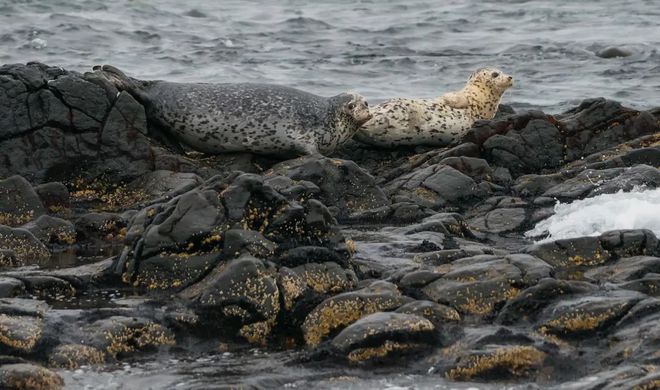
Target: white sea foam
<point x="38" y="43"/>
<point x="590" y="217"/>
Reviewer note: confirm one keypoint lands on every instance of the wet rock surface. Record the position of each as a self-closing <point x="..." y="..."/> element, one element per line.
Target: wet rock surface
<point x="115" y="250"/>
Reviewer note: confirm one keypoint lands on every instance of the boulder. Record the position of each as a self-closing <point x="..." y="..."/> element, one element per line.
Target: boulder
<point x="19" y="203"/>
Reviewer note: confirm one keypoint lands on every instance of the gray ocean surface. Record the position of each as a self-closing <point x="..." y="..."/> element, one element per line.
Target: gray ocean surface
<point x="380" y="48"/>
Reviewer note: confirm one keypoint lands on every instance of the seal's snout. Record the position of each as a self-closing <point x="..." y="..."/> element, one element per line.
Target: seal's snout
<point x="367" y="118"/>
<point x="363" y="116"/>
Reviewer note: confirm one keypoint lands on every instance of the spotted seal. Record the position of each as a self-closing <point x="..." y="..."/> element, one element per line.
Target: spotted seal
<point x="258" y="118"/>
<point x="436" y="122"/>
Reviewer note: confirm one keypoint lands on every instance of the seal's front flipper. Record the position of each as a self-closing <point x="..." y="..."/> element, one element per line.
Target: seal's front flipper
<point x="455" y="100"/>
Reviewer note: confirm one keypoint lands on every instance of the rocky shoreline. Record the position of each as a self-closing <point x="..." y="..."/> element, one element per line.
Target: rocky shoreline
<point x="412" y="261"/>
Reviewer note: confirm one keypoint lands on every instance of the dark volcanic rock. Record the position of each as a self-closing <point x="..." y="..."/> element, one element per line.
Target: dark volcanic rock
<point x="439" y="315"/>
<point x="529" y="303"/>
<point x="534" y="142"/>
<point x="588" y="314"/>
<point x="343" y="185"/>
<point x="162" y="183"/>
<point x="536" y="147"/>
<point x="21" y="324"/>
<point x="326" y="278"/>
<point x="54" y="195"/>
<point x="72" y="124"/>
<point x="52" y="230"/>
<point x="593" y="251"/>
<point x="590" y="183"/>
<point x="380" y="335"/>
<point x="238" y="215"/>
<point x="98" y="229"/>
<point x="618" y="378"/>
<point x="10" y="287"/>
<point x="637" y="337"/>
<point x="626" y="269"/>
<point x="492" y="353"/>
<point x="437" y="186"/>
<point x="339" y="311"/>
<point x="119" y="336"/>
<point x="24" y="376"/>
<point x="598" y="124"/>
<point x="242" y="293"/>
<point x="613" y="52"/>
<point x="72" y="356"/>
<point x="478" y="285"/>
<point x="26" y="248"/>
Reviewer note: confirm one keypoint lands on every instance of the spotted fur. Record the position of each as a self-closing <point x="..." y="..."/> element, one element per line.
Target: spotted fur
<point x="257" y="118"/>
<point x="436" y="122"/>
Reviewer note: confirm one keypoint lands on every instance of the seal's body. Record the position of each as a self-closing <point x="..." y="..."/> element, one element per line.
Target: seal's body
<point x="436" y="122"/>
<point x="256" y="118"/>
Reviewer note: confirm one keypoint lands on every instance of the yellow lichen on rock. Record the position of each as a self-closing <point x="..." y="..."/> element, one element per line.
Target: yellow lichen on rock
<point x="72" y="356"/>
<point x="598" y="257"/>
<point x="292" y="287"/>
<point x="26" y="251"/>
<point x="325" y="282"/>
<point x="577" y="321"/>
<point x="381" y="351"/>
<point x="20" y="332"/>
<point x="517" y="361"/>
<point x="652" y="385"/>
<point x="426" y="194"/>
<point x="257" y="332"/>
<point x="16" y="219"/>
<point x="335" y="313"/>
<point x="24" y="376"/>
<point x="111" y="196"/>
<point x="131" y="339"/>
<point x="481" y="304"/>
<point x="351" y="246"/>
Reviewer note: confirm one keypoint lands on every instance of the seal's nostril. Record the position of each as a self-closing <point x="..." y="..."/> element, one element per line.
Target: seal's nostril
<point x="510" y="78"/>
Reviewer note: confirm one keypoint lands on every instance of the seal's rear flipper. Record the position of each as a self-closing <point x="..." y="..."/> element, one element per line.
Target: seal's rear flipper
<point x="118" y="78"/>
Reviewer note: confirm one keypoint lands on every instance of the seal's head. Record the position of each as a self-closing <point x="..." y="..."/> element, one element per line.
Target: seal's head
<point x="352" y="108"/>
<point x="356" y="106"/>
<point x="491" y="78"/>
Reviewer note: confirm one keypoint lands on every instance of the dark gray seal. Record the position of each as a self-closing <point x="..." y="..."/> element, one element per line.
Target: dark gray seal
<point x="257" y="118"/>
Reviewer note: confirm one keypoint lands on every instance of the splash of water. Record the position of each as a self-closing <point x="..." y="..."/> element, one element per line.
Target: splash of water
<point x="639" y="209"/>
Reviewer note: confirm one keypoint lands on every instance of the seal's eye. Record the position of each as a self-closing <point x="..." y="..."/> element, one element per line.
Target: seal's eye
<point x="495" y="74"/>
<point x="351" y="106"/>
<point x="366" y="104"/>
